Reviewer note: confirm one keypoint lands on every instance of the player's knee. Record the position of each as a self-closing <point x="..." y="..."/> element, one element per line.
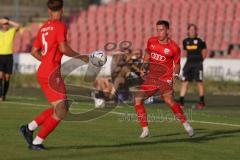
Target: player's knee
<point x="169" y="101"/>
<point x="1" y="75"/>
<point x="138" y="100"/>
<point x="61" y="110"/>
<point x="60" y="114"/>
<point x="185" y="83"/>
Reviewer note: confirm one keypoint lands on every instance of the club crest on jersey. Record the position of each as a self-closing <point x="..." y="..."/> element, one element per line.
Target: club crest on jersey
<point x="166" y="50"/>
<point x="195" y="41"/>
<point x="158" y="57"/>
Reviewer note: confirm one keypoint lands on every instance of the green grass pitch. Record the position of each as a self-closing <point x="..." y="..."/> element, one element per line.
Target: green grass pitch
<point x="114" y="136"/>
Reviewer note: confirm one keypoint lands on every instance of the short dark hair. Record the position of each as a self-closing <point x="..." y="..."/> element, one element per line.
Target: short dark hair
<point x="192" y="25"/>
<point x="7" y="18"/>
<point x="55" y="5"/>
<point x="163" y="22"/>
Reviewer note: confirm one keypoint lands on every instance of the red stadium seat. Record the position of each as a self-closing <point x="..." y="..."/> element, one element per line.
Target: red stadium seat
<point x="218" y="22"/>
<point x="17" y="43"/>
<point x="26" y="41"/>
<point x="230" y="12"/>
<point x="34" y="29"/>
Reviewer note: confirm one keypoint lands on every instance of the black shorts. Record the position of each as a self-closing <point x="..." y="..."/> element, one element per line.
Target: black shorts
<point x="193" y="71"/>
<point x="6" y="63"/>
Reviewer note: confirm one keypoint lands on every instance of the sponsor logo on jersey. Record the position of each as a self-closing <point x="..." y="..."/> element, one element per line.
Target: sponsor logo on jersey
<point x="166" y="51"/>
<point x="192" y="47"/>
<point x="158" y="57"/>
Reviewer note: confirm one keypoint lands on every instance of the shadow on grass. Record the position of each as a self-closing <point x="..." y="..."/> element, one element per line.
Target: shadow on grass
<point x="207" y="136"/>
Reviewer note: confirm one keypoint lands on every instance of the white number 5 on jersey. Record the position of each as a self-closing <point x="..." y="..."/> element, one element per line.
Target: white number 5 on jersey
<point x="45" y="44"/>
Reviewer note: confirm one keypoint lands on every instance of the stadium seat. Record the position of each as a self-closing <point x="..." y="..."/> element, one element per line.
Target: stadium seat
<point x="34" y="29"/>
<point x="27" y="40"/>
<point x="17" y="43"/>
<point x="135" y="20"/>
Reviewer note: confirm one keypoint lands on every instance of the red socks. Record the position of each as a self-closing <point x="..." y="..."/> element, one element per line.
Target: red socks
<point x="142" y="115"/>
<point x="47" y="121"/>
<point x="178" y="112"/>
<point x="43" y="116"/>
<point x="49" y="125"/>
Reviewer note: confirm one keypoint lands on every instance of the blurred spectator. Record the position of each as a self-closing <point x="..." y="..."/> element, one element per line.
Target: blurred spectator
<point x="125" y="72"/>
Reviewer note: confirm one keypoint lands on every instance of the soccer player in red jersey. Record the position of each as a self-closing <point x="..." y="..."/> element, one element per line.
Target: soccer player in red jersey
<point x="49" y="47"/>
<point x="163" y="56"/>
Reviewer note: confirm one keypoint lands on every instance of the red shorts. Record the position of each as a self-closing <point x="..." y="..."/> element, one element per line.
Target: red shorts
<point x="53" y="89"/>
<point x="151" y="86"/>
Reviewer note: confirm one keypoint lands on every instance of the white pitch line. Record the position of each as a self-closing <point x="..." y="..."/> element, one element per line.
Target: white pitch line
<point x="120" y="113"/>
<point x="25" y="104"/>
<point x="193" y="121"/>
<point x="215" y="123"/>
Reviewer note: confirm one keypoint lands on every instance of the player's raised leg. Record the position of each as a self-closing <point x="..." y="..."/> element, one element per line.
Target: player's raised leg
<point x="178" y="112"/>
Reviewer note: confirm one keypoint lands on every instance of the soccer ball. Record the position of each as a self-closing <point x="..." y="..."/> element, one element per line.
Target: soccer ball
<point x="98" y="58"/>
<point x="99" y="103"/>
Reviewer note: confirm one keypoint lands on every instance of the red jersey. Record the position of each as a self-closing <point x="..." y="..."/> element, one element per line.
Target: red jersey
<point x="49" y="36"/>
<point x="162" y="58"/>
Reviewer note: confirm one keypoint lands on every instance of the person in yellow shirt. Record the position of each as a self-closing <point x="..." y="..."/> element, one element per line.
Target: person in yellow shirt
<point x="7" y="34"/>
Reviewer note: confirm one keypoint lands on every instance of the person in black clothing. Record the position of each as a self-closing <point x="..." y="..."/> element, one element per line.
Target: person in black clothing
<point x="193" y="70"/>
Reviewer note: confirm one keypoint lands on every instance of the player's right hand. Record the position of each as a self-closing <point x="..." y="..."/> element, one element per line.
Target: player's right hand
<point x="142" y="73"/>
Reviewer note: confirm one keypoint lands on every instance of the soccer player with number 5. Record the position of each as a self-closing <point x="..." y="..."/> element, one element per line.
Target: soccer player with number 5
<point x="163" y="56"/>
<point x="48" y="48"/>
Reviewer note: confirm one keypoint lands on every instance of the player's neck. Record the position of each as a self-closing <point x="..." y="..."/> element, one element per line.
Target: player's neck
<point x="193" y="36"/>
<point x="165" y="41"/>
<point x="55" y="17"/>
<point x="4" y="30"/>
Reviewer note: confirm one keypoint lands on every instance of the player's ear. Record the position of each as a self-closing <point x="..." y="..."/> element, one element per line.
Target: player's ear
<point x="168" y="31"/>
<point x="49" y="11"/>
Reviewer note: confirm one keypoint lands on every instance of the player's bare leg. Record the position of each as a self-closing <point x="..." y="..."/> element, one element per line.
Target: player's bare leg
<point x="183" y="92"/>
<point x="200" y="88"/>
<point x="117" y="82"/>
<point x="178" y="112"/>
<point x="142" y="114"/>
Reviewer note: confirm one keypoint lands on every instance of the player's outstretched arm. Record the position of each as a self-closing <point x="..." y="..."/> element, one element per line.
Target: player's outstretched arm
<point x="36" y="53"/>
<point x="66" y="50"/>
